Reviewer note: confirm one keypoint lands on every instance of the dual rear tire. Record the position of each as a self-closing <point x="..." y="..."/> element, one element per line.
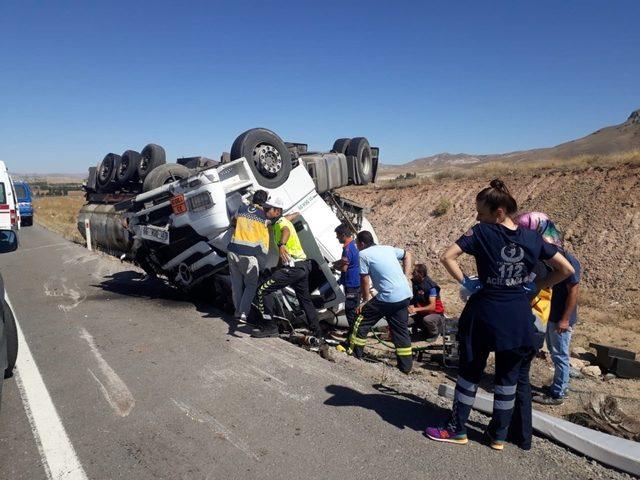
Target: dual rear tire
<point x="115" y="172"/>
<point x="359" y="158"/>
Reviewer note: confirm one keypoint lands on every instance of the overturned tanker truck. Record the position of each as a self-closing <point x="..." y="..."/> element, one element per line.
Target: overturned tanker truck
<point x="174" y="220"/>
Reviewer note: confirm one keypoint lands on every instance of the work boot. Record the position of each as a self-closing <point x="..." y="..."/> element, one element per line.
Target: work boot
<point x="265" y="331"/>
<point x="548" y="400"/>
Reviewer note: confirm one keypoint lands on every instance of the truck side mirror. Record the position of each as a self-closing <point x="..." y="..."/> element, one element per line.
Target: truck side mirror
<point x="8" y="241"/>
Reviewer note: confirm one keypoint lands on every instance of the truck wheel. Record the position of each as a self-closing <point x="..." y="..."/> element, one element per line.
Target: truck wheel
<point x="341" y="145"/>
<point x="128" y="169"/>
<point x="360" y="149"/>
<point x="266" y="153"/>
<point x="106" y="172"/>
<point x="151" y="156"/>
<point x="12" y="339"/>
<point x="167" y="173"/>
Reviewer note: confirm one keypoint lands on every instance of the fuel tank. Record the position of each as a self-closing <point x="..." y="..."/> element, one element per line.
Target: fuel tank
<point x="107" y="229"/>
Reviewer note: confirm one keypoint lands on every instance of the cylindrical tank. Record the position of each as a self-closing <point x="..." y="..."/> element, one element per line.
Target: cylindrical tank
<point x="107" y="231"/>
<point x="328" y="170"/>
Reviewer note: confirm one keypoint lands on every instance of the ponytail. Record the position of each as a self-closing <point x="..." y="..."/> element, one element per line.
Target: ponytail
<point x="497" y="195"/>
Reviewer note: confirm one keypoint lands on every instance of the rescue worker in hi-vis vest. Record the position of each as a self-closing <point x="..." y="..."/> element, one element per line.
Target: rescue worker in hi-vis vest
<point x="497" y="316"/>
<point x="294" y="272"/>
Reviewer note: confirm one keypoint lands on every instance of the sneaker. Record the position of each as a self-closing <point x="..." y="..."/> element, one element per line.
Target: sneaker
<point x="443" y="435"/>
<point x="548" y="400"/>
<point x="575" y="373"/>
<point x="265" y="333"/>
<point x="493" y="443"/>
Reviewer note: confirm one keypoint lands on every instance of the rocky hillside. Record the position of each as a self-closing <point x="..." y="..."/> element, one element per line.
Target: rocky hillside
<point x="597" y="207"/>
<point x="606" y="141"/>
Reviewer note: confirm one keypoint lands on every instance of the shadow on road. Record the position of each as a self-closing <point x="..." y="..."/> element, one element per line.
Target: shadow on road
<point x="135" y="284"/>
<point x="206" y="300"/>
<point x="402" y="410"/>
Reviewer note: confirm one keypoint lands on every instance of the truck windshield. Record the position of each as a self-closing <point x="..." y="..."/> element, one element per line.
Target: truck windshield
<point x="3" y="195"/>
<point x="21" y="192"/>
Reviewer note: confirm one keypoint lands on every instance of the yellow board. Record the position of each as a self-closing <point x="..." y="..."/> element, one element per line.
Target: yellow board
<point x="541" y="305"/>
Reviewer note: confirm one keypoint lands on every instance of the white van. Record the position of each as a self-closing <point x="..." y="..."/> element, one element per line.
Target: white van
<point x="9" y="214"/>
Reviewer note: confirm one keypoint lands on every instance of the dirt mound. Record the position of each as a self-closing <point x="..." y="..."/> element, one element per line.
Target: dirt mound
<point x="597" y="208"/>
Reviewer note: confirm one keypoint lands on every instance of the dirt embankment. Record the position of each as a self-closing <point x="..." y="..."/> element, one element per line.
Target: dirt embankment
<point x="597" y="208"/>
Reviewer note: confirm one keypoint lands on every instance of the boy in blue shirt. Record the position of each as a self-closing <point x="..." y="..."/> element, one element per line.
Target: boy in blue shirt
<point x="349" y="267"/>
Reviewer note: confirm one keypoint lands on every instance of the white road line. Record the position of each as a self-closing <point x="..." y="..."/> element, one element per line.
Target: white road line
<point x="58" y="456"/>
<point x="115" y="391"/>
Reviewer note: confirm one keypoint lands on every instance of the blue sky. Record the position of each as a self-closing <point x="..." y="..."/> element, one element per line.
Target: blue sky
<point x="80" y="79"/>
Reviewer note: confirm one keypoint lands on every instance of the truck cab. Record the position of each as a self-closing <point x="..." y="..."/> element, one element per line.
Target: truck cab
<point x="180" y="225"/>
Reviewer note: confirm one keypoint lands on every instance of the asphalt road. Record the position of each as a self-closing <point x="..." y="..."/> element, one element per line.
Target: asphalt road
<point x="148" y="385"/>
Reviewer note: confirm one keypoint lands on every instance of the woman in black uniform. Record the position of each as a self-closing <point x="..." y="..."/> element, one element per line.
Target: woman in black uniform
<point x="497" y="316"/>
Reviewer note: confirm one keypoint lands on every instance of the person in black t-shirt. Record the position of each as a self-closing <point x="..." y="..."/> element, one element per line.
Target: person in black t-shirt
<point x="497" y="316"/>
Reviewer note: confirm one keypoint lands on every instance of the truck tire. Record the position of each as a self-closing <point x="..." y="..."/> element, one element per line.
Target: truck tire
<point x="128" y="169"/>
<point x="266" y="153"/>
<point x="167" y="173"/>
<point x="360" y="149"/>
<point x="151" y="157"/>
<point x="341" y="145"/>
<point x="106" y="173"/>
<point x="12" y="339"/>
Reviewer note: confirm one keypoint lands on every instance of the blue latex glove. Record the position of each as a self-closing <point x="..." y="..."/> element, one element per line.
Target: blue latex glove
<point x="530" y="288"/>
<point x="473" y="285"/>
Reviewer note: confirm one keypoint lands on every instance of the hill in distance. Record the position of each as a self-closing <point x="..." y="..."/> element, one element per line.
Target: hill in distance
<point x="51" y="178"/>
<point x="620" y="138"/>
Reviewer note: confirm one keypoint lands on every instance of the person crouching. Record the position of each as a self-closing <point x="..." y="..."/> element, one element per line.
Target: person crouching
<point x="426" y="306"/>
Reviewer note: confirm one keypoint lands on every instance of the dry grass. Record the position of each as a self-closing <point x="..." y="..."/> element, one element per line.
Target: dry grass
<point x="574" y="164"/>
<point x="443" y="207"/>
<point x="505" y="167"/>
<point x="59" y="214"/>
<point x="400" y="183"/>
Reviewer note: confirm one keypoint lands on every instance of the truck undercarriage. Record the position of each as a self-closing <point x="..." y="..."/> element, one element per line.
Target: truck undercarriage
<point x="173" y="220"/>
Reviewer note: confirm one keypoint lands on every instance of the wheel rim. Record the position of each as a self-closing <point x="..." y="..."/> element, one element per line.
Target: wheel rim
<point x="267" y="158"/>
<point x="365" y="161"/>
<point x="144" y="164"/>
<point x="104" y="171"/>
<point x="172" y="178"/>
<point x="124" y="166"/>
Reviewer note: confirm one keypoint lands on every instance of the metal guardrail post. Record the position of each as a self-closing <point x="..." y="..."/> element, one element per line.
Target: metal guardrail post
<point x="87" y="230"/>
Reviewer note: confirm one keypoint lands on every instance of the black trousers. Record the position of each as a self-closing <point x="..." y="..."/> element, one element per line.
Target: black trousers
<point x="511" y="388"/>
<point x="351" y="304"/>
<point x="397" y="317"/>
<point x="296" y="277"/>
<point x="521" y="426"/>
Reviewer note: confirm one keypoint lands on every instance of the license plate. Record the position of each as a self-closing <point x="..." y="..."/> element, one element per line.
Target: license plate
<point x="178" y="205"/>
<point x="157" y="234"/>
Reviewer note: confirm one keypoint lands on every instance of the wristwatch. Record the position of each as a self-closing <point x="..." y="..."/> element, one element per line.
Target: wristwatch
<point x="280" y="245"/>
